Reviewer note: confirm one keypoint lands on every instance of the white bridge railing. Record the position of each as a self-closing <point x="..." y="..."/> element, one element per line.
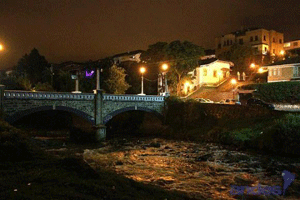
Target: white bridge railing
<point x="9" y="94"/>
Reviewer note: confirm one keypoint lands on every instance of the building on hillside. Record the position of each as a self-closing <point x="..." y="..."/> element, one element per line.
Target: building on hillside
<point x="209" y="53"/>
<point x="133" y="56"/>
<point x="211" y="72"/>
<point x="261" y="40"/>
<point x="286" y="70"/>
<point x="292" y="47"/>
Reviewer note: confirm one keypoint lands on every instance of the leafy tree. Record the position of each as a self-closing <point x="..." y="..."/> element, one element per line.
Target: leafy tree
<point x="33" y="66"/>
<point x="116" y="83"/>
<point x="242" y="56"/>
<point x="181" y="56"/>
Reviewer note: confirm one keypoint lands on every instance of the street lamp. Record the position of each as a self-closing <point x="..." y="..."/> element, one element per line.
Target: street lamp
<point x="282" y="52"/>
<point x="252" y="65"/>
<point x="1" y="47"/>
<point x="233" y="82"/>
<point x="164" y="76"/>
<point x="142" y="70"/>
<point x="186" y="86"/>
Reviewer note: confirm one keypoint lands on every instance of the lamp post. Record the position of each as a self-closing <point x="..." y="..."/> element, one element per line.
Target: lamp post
<point x="142" y="70"/>
<point x="233" y="82"/>
<point x="164" y="76"/>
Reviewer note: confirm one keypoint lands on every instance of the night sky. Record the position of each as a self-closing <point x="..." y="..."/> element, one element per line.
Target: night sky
<point x="82" y="30"/>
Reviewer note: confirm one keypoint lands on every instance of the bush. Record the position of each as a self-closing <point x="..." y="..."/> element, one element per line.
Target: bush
<point x="43" y="87"/>
<point x="284" y="136"/>
<point x="13" y="144"/>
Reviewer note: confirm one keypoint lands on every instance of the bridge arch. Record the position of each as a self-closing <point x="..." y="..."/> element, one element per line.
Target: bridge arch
<point x="109" y="116"/>
<point x="20" y="114"/>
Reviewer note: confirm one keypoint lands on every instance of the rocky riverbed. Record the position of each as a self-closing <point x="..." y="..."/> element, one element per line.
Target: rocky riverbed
<point x="204" y="171"/>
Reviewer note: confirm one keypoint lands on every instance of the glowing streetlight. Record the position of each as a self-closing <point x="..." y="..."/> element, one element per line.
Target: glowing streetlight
<point x="165" y="67"/>
<point x="282" y="52"/>
<point x="1" y="47"/>
<point x="260" y="70"/>
<point x="252" y="65"/>
<point x="186" y="85"/>
<point x="142" y="70"/>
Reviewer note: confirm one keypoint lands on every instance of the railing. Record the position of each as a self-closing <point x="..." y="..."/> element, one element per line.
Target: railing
<point x="9" y="94"/>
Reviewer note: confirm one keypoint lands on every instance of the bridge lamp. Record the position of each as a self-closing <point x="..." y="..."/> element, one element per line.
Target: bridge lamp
<point x="165" y="67"/>
<point x="142" y="70"/>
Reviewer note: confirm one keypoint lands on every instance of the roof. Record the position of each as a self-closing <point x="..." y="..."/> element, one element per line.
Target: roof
<point x="243" y="31"/>
<point x="286" y="61"/>
<point x="211" y="60"/>
<point x="129" y="53"/>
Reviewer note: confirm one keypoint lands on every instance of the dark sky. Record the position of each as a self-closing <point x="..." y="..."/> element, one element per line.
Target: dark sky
<point x="81" y="30"/>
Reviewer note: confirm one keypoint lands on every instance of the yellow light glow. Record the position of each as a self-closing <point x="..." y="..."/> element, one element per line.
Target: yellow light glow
<point x="165" y="67"/>
<point x="186" y="87"/>
<point x="233" y="81"/>
<point x="260" y="70"/>
<point x="1" y="47"/>
<point x="252" y="65"/>
<point x="282" y="52"/>
<point x="219" y="73"/>
<point x="142" y="70"/>
<point x="186" y="84"/>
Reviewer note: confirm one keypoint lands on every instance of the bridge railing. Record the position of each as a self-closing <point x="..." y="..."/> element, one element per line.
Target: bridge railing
<point x="14" y="94"/>
<point x="10" y="94"/>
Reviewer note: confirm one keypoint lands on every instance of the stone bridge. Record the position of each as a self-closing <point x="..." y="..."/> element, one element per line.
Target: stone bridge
<point x="96" y="108"/>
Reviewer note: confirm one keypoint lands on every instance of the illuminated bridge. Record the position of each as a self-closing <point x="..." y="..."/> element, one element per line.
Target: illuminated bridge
<point x="96" y="108"/>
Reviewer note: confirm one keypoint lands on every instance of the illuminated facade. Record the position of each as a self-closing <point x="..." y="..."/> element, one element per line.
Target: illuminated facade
<point x="211" y="72"/>
<point x="286" y="70"/>
<point x="261" y="40"/>
<point x="292" y="47"/>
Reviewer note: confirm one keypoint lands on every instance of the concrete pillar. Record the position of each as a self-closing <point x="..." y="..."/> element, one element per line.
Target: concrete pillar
<point x="2" y="88"/>
<point x="100" y="127"/>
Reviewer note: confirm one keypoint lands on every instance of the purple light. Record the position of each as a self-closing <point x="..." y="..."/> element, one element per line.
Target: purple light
<point x="89" y="74"/>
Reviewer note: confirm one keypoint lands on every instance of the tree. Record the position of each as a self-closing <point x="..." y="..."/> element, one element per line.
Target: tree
<point x="181" y="56"/>
<point x="116" y="83"/>
<point x="242" y="56"/>
<point x="33" y="66"/>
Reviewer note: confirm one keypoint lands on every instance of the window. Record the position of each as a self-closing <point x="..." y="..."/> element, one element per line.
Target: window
<point x="274" y="40"/>
<point x="274" y="72"/>
<point x="204" y="72"/>
<point x="274" y="51"/>
<point x="295" y="44"/>
<point x="241" y="41"/>
<point x="215" y="73"/>
<point x="266" y="49"/>
<point x="280" y="41"/>
<point x="251" y="39"/>
<point x="270" y="72"/>
<point x="265" y="38"/>
<point x="296" y="71"/>
<point x="256" y="38"/>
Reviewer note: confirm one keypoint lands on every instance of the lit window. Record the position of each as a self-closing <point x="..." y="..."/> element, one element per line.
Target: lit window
<point x="215" y="73"/>
<point x="287" y="44"/>
<point x="204" y="72"/>
<point x="270" y="72"/>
